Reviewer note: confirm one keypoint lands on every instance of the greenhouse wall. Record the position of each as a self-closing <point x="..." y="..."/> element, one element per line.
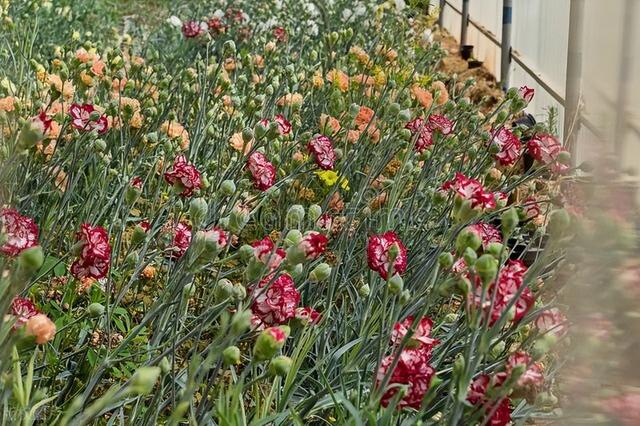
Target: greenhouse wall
<point x="610" y="77"/>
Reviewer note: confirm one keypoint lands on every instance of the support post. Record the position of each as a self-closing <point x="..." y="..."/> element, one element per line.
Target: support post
<point x="574" y="76"/>
<point x="464" y="22"/>
<point x="505" y="46"/>
<point x="624" y="75"/>
<point x="441" y="14"/>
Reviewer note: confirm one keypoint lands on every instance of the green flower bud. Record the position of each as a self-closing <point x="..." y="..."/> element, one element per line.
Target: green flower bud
<point x="467" y="239"/>
<point x="394" y="109"/>
<point x="364" y="290"/>
<point x="131" y="195"/>
<point x="487" y="268"/>
<point x="238" y="220"/>
<point x="497" y="349"/>
<point x="295" y="215"/>
<point x="228" y="187"/>
<point x="405" y="134"/>
<point x="315" y="211"/>
<point x="246" y="252"/>
<point x="396" y="284"/>
<point x="280" y="366"/>
<point x="95" y="310"/>
<point x="144" y="380"/>
<point x="165" y="365"/>
<point x="509" y="221"/>
<point x="405" y="115"/>
<point x="139" y="235"/>
<point x="320" y="273"/>
<point x="470" y="256"/>
<point x="223" y="290"/>
<point x="240" y="322"/>
<point x="269" y="342"/>
<point x="495" y="249"/>
<point x="559" y="221"/>
<point x="260" y="130"/>
<point x="32" y="132"/>
<point x="445" y="260"/>
<point x="405" y="296"/>
<point x="231" y="355"/>
<point x="31" y="259"/>
<point x="198" y="209"/>
<point x="293" y="238"/>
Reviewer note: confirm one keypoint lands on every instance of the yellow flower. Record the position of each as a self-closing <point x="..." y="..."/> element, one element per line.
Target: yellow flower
<point x="329" y="178"/>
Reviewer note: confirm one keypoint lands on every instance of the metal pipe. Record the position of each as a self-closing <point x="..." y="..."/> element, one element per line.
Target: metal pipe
<point x="464" y="22"/>
<point x="441" y="14"/>
<point x="574" y="76"/>
<point x="505" y="46"/>
<point x="623" y="77"/>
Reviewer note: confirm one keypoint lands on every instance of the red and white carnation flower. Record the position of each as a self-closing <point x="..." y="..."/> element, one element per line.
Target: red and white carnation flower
<point x="322" y="150"/>
<point x="380" y="259"/>
<point x="21" y="232"/>
<point x="184" y="176"/>
<point x="83" y="117"/>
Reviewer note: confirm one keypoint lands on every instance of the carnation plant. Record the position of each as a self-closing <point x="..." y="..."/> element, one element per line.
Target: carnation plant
<point x="272" y="212"/>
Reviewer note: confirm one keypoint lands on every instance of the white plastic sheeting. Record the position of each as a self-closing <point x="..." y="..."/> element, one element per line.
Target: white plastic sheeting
<point x="540" y="39"/>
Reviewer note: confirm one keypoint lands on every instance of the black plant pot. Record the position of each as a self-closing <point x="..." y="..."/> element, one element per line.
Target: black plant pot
<point x="466" y="51"/>
<point x="474" y="63"/>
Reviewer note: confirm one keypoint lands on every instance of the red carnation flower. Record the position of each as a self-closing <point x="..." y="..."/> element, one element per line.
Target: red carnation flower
<point x="532" y="376"/>
<point x="145" y="225"/>
<point x="95" y="253"/>
<point x="44" y="119"/>
<point x="421" y="336"/>
<point x="21" y="232"/>
<point x="136" y="182"/>
<point x="217" y="25"/>
<point x="470" y="189"/>
<point x="322" y="149"/>
<point x="500" y="413"/>
<point x="22" y="309"/>
<point x="280" y="34"/>
<point x="488" y="233"/>
<point x="219" y="235"/>
<point x="379" y="258"/>
<point x="325" y="222"/>
<point x="510" y="280"/>
<point x="275" y="302"/>
<point x="422" y="133"/>
<point x="191" y="29"/>
<point x="544" y="148"/>
<point x="184" y="175"/>
<point x="313" y="244"/>
<point x="441" y="124"/>
<point x="81" y="118"/>
<point x="509" y="146"/>
<point x="307" y="315"/>
<point x="264" y="250"/>
<point x="526" y="93"/>
<point x="263" y="172"/>
<point x="531" y="208"/>
<point x="412" y="370"/>
<point x="284" y="126"/>
<point x="553" y="322"/>
<point x="236" y="15"/>
<point x="181" y="240"/>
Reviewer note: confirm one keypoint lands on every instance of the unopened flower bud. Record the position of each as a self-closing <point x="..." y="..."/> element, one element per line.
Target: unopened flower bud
<point x="487" y="268"/>
<point x="405" y="296"/>
<point x="228" y="187"/>
<point x="320" y="273"/>
<point x="246" y="252"/>
<point x="144" y="380"/>
<point x="269" y="342"/>
<point x="293" y="238"/>
<point x="295" y="215"/>
<point x="445" y="260"/>
<point x="467" y="239"/>
<point x="470" y="256"/>
<point x="139" y="234"/>
<point x="30" y="260"/>
<point x="495" y="249"/>
<point x="198" y="209"/>
<point x="396" y="284"/>
<point x="223" y="290"/>
<point x="405" y="115"/>
<point x="364" y="290"/>
<point x="165" y="365"/>
<point x="509" y="221"/>
<point x="240" y="322"/>
<point x="559" y="221"/>
<point x="32" y="132"/>
<point x="95" y="310"/>
<point x="280" y="366"/>
<point x="315" y="211"/>
<point x="237" y="220"/>
<point x="231" y="355"/>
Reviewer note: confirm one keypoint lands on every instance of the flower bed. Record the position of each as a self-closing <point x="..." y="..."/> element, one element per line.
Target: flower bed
<point x="278" y="213"/>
